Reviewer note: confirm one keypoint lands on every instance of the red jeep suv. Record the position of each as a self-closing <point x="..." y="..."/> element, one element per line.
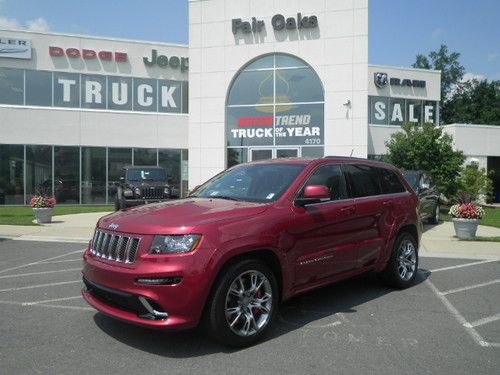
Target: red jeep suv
<point x="251" y="237"/>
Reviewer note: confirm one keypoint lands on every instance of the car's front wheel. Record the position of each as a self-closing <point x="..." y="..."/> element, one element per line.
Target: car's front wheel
<point x="243" y="304"/>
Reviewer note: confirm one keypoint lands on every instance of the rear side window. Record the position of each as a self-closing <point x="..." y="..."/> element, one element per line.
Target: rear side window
<point x="390" y="182"/>
<point x="363" y="179"/>
<point x="330" y="175"/>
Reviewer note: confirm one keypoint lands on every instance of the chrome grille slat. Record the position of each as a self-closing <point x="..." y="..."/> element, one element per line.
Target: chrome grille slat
<point x="115" y="247"/>
<point x="100" y="237"/>
<point x="132" y="251"/>
<point x="112" y="247"/>
<point x="122" y="249"/>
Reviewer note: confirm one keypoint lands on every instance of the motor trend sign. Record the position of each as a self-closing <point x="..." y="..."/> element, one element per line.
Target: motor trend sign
<point x="281" y="129"/>
<point x="15" y="48"/>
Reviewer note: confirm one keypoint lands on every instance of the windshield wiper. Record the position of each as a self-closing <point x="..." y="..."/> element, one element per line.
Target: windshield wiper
<point x="223" y="197"/>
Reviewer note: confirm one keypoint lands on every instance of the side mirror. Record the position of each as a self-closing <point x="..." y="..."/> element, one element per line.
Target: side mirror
<point x="314" y="194"/>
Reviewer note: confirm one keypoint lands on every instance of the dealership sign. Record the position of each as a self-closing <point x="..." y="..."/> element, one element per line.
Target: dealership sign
<point x="382" y="80"/>
<point x="397" y="111"/>
<point x="15" y="48"/>
<point x="278" y="21"/>
<point x="298" y="125"/>
<point x="163" y="61"/>
<point x="87" y="54"/>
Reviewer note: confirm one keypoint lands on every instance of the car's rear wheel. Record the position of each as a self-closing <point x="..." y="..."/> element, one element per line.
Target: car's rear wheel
<point x="401" y="270"/>
<point x="435" y="218"/>
<point x="243" y="304"/>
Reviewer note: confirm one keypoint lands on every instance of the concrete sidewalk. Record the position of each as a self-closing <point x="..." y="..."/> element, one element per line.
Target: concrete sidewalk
<point x="437" y="240"/>
<point x="66" y="228"/>
<point x="440" y="240"/>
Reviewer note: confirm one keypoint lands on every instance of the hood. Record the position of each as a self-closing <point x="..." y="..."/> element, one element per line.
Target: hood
<point x="179" y="216"/>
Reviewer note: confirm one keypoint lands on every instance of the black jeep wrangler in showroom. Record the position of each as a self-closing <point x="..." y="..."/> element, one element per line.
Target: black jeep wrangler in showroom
<point x="142" y="185"/>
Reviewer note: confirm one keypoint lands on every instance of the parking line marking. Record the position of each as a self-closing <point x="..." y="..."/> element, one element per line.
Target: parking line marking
<point x="41" y="261"/>
<point x="483" y="321"/>
<point x="464" y="265"/>
<point x="50" y="300"/>
<point x="40" y="286"/>
<point x="494" y="344"/>
<point x="40" y="273"/>
<point x="63" y="261"/>
<point x="47" y="305"/>
<point x="470" y="330"/>
<point x="470" y="287"/>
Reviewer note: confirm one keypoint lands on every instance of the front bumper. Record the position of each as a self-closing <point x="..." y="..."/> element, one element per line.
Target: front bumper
<point x="113" y="289"/>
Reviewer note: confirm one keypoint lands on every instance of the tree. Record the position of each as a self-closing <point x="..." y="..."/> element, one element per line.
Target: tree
<point x="474" y="184"/>
<point x="475" y="102"/>
<point x="426" y="147"/>
<point x="452" y="72"/>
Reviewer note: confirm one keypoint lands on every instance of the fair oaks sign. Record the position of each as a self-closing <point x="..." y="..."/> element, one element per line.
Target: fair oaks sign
<point x="278" y="22"/>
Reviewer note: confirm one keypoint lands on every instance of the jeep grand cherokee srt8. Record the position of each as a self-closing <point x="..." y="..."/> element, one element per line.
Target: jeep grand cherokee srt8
<point x="251" y="237"/>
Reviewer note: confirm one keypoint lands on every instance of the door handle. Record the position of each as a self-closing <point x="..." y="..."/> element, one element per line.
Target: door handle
<point x="348" y="209"/>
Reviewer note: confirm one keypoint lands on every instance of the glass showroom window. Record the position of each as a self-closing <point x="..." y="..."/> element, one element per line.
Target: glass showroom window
<point x="93" y="175"/>
<point x="118" y="158"/>
<point x="67" y="174"/>
<point x="274" y="101"/>
<point x="38" y="170"/>
<point x="11" y="174"/>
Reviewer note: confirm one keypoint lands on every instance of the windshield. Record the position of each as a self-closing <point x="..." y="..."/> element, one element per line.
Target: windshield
<point x="412" y="178"/>
<point x="253" y="183"/>
<point x="143" y="174"/>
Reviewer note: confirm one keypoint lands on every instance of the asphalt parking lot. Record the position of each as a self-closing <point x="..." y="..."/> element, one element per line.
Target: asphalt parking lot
<point x="449" y="322"/>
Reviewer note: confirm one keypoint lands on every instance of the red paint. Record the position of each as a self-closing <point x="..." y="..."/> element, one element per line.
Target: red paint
<point x="349" y="237"/>
<point x="255" y="121"/>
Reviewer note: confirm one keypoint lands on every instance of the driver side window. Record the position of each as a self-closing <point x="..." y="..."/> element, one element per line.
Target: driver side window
<point x="331" y="176"/>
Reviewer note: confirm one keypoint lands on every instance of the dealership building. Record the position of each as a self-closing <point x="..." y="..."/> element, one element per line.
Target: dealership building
<point x="258" y="80"/>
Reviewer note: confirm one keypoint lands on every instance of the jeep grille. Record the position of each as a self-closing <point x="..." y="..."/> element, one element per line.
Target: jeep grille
<point x="118" y="248"/>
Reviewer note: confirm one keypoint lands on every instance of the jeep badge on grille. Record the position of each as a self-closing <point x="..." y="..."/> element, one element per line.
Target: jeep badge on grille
<point x="113" y="226"/>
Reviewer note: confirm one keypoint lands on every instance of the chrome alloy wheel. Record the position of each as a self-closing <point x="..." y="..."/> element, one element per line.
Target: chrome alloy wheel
<point x="407" y="260"/>
<point x="249" y="302"/>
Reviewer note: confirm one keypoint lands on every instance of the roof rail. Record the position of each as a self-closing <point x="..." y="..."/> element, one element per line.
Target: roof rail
<point x="344" y="157"/>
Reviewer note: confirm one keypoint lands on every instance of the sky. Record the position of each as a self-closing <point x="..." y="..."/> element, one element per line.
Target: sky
<point x="398" y="29"/>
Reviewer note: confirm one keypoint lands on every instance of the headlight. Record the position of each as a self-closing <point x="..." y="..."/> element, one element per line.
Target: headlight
<point x="166" y="190"/>
<point x="173" y="244"/>
<point x="127" y="193"/>
<point x="137" y="191"/>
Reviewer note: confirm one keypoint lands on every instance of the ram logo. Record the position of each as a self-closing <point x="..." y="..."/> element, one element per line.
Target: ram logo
<point x="381" y="79"/>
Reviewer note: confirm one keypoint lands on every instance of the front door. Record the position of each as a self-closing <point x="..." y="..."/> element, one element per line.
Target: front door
<point x="255" y="153"/>
<point x="322" y="231"/>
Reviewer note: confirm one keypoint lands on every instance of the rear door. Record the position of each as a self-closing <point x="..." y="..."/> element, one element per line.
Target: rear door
<point x="372" y="209"/>
<point x="324" y="232"/>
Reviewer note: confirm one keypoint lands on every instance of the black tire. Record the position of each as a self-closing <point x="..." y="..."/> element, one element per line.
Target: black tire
<point x="217" y="323"/>
<point x="117" y="204"/>
<point x="435" y="217"/>
<point x="392" y="275"/>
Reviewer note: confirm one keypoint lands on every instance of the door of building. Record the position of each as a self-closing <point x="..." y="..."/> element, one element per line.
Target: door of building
<point x="255" y="154"/>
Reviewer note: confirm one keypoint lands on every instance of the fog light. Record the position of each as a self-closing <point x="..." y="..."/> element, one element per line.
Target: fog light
<point x="159" y="280"/>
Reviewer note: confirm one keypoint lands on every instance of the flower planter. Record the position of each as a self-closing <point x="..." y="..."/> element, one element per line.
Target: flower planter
<point x="43" y="215"/>
<point x="465" y="228"/>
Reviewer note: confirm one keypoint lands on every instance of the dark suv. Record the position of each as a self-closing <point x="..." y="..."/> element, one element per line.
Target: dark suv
<point x="427" y="193"/>
<point x="140" y="185"/>
<point x="251" y="237"/>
